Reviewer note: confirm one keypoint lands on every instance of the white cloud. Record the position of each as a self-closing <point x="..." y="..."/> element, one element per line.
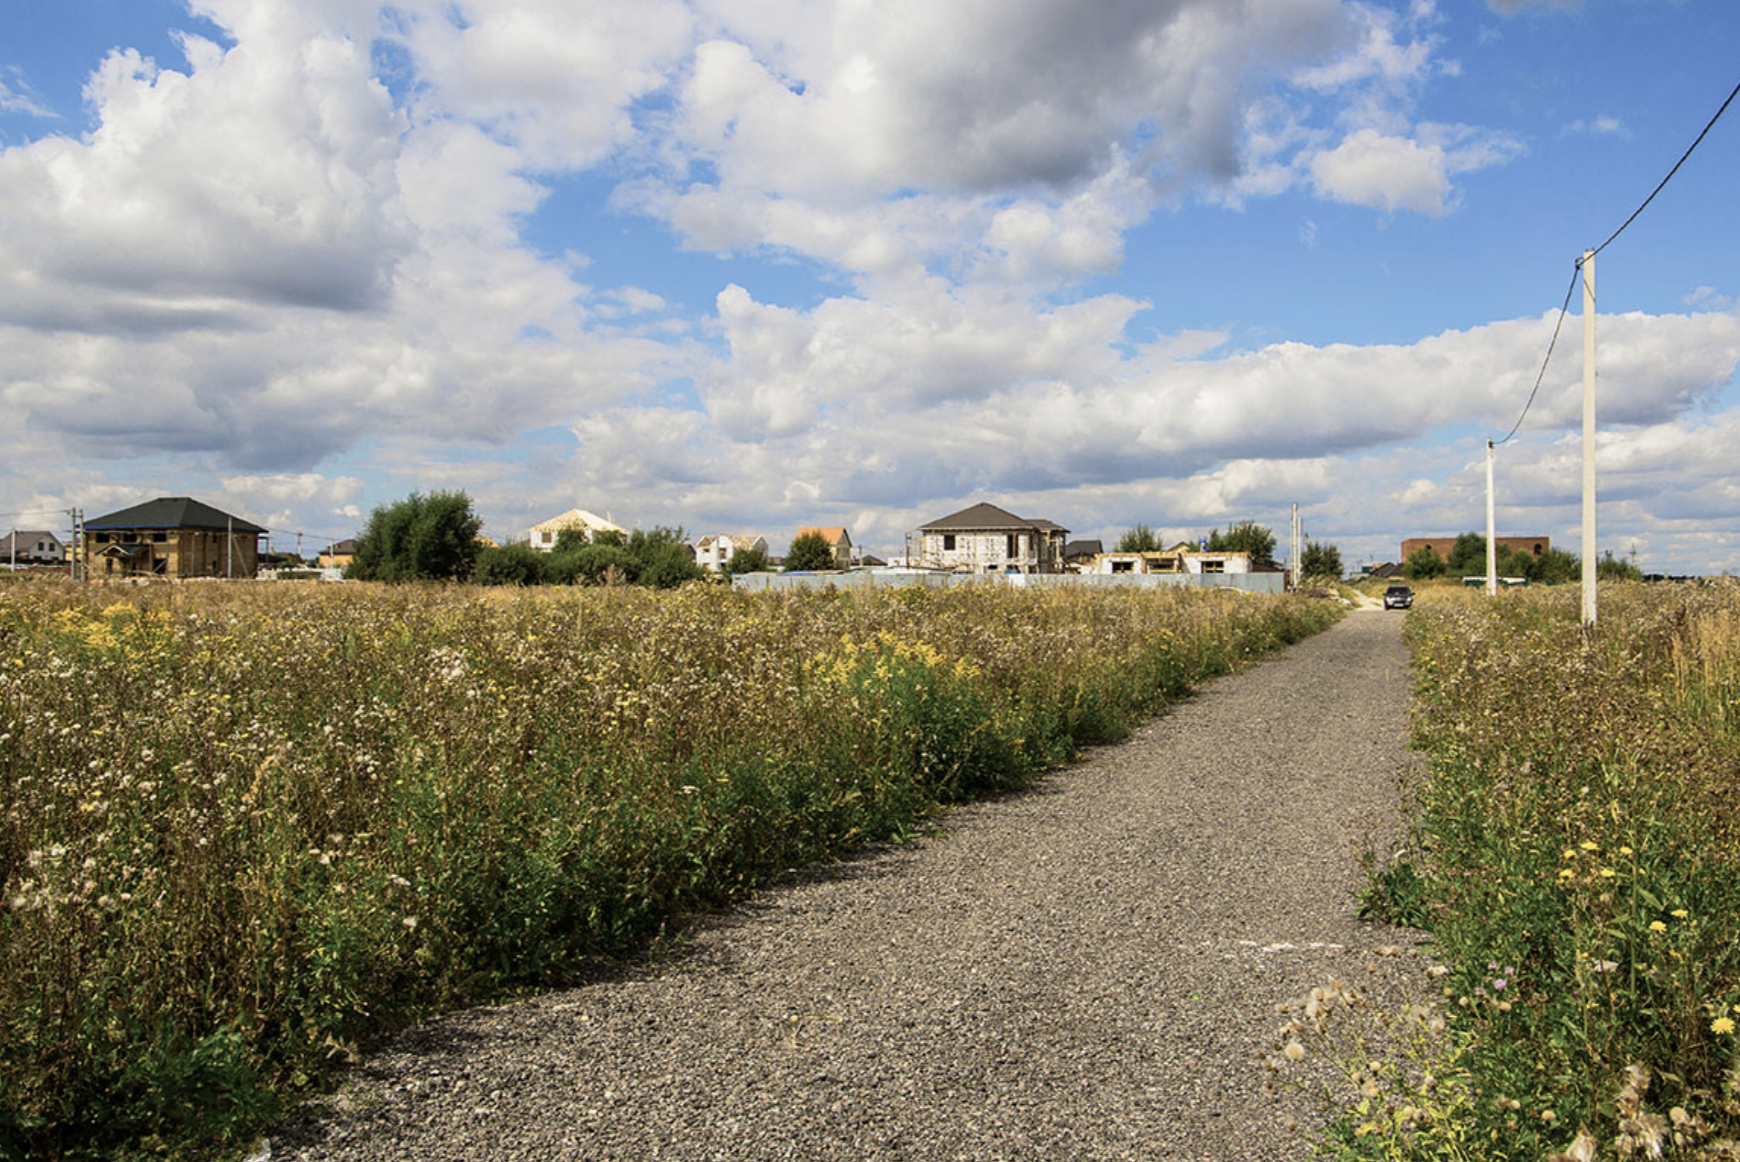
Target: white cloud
<point x="1598" y="126"/>
<point x="17" y="96"/>
<point x="1389" y="173"/>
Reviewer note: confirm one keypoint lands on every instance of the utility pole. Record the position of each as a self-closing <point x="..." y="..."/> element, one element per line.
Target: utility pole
<point x="1588" y="437"/>
<point x="1491" y="534"/>
<point x="1297" y="560"/>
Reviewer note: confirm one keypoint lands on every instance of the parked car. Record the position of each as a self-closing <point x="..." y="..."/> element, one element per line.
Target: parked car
<point x="1398" y="597"/>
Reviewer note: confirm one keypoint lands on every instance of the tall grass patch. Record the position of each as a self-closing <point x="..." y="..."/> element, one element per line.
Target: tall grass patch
<point x="1577" y="858"/>
<point x="245" y="827"/>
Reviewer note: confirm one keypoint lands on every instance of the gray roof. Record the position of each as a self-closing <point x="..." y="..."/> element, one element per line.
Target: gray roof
<point x="986" y="517"/>
<point x="173" y="512"/>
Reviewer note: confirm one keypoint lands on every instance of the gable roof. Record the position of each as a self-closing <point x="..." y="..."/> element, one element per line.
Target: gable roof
<point x="987" y="516"/>
<point x="833" y="534"/>
<point x="23" y="535"/>
<point x="173" y="512"/>
<point x="579" y="517"/>
<point x="1084" y="548"/>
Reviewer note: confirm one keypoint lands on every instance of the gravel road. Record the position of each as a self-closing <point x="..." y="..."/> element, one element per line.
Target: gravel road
<point x="1083" y="970"/>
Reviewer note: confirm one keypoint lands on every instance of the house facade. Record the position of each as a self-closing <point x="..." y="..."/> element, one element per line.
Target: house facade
<point x="32" y="547"/>
<point x="839" y="543"/>
<point x="338" y="554"/>
<point x="542" y="537"/>
<point x="1181" y="558"/>
<point x="988" y="539"/>
<point x="714" y="551"/>
<point x="172" y="538"/>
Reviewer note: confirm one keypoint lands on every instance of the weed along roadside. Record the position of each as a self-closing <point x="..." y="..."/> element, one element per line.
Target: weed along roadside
<point x="244" y="829"/>
<point x="1576" y="857"/>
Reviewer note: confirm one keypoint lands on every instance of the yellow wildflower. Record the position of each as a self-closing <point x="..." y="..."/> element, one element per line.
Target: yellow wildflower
<point x="1722" y="1025"/>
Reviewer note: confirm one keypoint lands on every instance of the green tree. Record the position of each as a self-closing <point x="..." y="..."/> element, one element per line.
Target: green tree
<point x="1553" y="567"/>
<point x="1611" y="568"/>
<point x="746" y="561"/>
<point x="662" y="557"/>
<point x="1320" y="560"/>
<point x="1140" y="539"/>
<point x="1467" y="556"/>
<point x="808" y="551"/>
<point x="1245" y="537"/>
<point x="1423" y="563"/>
<point x="420" y="538"/>
<point x="509" y="565"/>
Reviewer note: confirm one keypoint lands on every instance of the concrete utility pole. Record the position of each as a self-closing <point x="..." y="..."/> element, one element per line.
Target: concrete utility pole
<point x="1588" y="437"/>
<point x="1298" y="560"/>
<point x="1491" y="535"/>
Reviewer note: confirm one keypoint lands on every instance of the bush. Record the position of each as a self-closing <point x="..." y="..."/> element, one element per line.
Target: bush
<point x="420" y="538"/>
<point x="509" y="565"/>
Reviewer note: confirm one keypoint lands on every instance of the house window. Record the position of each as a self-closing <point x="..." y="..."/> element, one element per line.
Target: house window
<point x="1123" y="566"/>
<point x="1214" y="566"/>
<point x="102" y="538"/>
<point x="1010" y="551"/>
<point x="1537" y="550"/>
<point x="948" y="542"/>
<point x="159" y="538"/>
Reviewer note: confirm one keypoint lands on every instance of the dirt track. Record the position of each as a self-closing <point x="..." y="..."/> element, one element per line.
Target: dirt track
<point x="1085" y="970"/>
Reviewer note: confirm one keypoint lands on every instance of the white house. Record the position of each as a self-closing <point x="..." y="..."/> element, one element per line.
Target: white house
<point x="715" y="550"/>
<point x="32" y="547"/>
<point x="543" y="536"/>
<point x="987" y="539"/>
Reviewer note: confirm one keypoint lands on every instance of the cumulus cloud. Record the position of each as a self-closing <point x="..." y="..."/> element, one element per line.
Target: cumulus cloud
<point x="1369" y="168"/>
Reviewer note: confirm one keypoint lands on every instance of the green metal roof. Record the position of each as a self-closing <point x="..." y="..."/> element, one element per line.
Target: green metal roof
<point x="173" y="512"/>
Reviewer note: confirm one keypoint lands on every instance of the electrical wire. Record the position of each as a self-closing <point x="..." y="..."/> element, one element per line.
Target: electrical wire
<point x="1670" y="174"/>
<point x="1563" y="308"/>
<point x="1578" y="266"/>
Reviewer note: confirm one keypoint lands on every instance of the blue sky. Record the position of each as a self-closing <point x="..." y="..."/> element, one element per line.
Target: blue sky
<point x="752" y="265"/>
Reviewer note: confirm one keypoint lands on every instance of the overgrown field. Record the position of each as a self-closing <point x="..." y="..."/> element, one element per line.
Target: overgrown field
<point x="243" y="827"/>
<point x="1578" y="861"/>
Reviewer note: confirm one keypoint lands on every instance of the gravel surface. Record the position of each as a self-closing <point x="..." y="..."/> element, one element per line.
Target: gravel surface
<point x="1083" y="970"/>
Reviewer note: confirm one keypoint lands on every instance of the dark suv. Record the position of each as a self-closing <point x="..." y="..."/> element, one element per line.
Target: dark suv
<point x="1398" y="597"/>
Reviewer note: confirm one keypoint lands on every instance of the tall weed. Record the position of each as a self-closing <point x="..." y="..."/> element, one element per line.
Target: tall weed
<point x="244" y="827"/>
<point x="1578" y="862"/>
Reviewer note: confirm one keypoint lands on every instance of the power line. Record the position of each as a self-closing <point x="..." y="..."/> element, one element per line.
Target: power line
<point x="1563" y="308"/>
<point x="1671" y="172"/>
<point x="1577" y="267"/>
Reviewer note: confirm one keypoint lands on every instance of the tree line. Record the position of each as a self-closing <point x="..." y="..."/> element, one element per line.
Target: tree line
<point x="1467" y="558"/>
<point x="434" y="537"/>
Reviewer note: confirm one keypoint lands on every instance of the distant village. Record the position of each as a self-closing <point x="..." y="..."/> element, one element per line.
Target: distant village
<point x="181" y="538"/>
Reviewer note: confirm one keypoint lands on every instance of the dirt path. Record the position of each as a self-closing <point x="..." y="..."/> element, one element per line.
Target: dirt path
<point x="1082" y="971"/>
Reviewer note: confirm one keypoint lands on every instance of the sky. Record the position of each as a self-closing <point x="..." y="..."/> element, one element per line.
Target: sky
<point x="747" y="266"/>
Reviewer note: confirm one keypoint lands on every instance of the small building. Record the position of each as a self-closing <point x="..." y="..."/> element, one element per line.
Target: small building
<point x="544" y="536"/>
<point x="714" y="551"/>
<point x="988" y="539"/>
<point x="173" y="538"/>
<point x="839" y="543"/>
<point x="1078" y="556"/>
<point x="338" y="554"/>
<point x="1180" y="558"/>
<point x="32" y="547"/>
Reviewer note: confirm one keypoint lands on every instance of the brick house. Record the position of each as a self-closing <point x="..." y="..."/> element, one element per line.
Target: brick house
<point x="170" y="538"/>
